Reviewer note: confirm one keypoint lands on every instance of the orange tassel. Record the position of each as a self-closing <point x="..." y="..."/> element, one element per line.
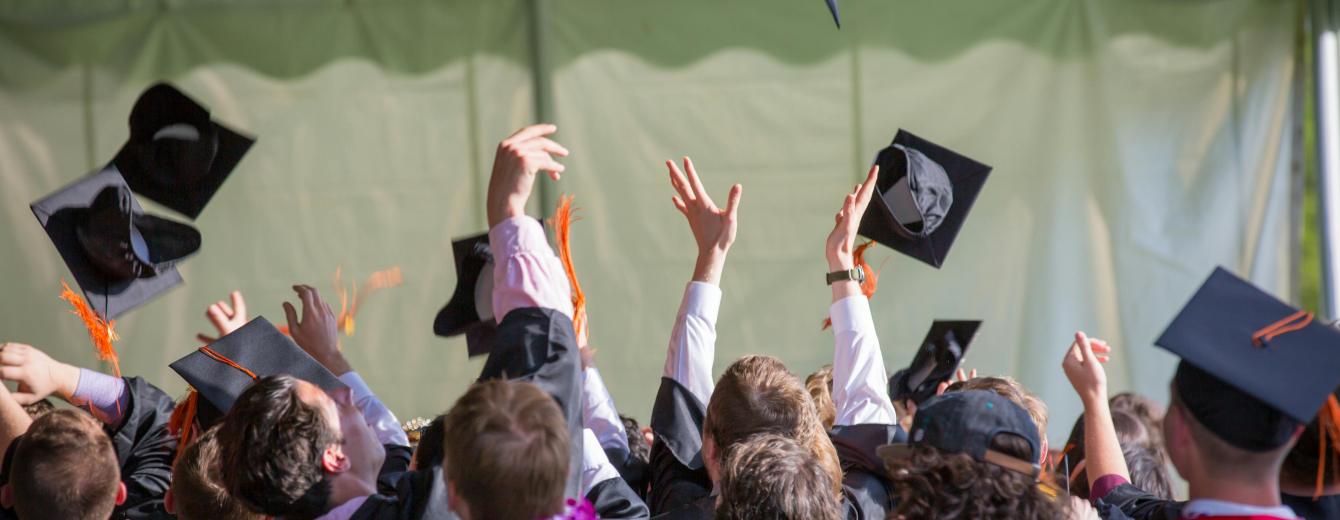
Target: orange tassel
<point x="562" y="222"/>
<point x="182" y="422"/>
<point x="349" y="304"/>
<point x="101" y="331"/>
<point x="871" y="276"/>
<point x="1329" y="422"/>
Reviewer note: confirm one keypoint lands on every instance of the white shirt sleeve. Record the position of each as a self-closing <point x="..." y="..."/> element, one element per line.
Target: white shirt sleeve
<point x="693" y="340"/>
<point x="859" y="379"/>
<point x="596" y="468"/>
<point x="378" y="417"/>
<point x="599" y="414"/>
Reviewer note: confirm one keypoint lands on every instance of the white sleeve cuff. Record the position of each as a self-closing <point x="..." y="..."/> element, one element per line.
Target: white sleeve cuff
<point x="356" y="384"/>
<point x="703" y="300"/>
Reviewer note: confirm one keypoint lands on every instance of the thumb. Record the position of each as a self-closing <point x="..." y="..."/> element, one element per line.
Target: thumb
<point x="291" y="315"/>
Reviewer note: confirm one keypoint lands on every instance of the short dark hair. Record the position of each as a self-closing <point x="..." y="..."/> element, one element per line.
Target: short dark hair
<point x="274" y="442"/>
<point x="197" y="490"/>
<point x="429" y="451"/>
<point x="65" y="467"/>
<point x="935" y="484"/>
<point x="507" y="450"/>
<point x="638" y="447"/>
<point x="39" y="408"/>
<point x="771" y="476"/>
<point x="1136" y="441"/>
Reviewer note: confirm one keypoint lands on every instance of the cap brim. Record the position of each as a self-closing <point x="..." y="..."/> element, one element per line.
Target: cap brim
<point x="59" y="214"/>
<point x="190" y="197"/>
<point x="967" y="178"/>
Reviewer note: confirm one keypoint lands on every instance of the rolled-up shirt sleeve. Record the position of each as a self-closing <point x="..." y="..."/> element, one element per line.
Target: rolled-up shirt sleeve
<point x="693" y="340"/>
<point x="859" y="379"/>
<point x="526" y="272"/>
<point x="104" y="396"/>
<point x="377" y="416"/>
<point x="599" y="413"/>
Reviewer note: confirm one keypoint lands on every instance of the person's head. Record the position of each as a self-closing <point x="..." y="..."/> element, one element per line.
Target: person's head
<point x="772" y="476"/>
<point x="1136" y="442"/>
<point x="507" y="452"/>
<point x="1253" y="439"/>
<point x="820" y="386"/>
<point x="39" y="408"/>
<point x="1010" y="389"/>
<point x="973" y="455"/>
<point x="757" y="395"/>
<point x="197" y="492"/>
<point x="429" y="452"/>
<point x="1149" y="469"/>
<point x="1143" y="408"/>
<point x="64" y="467"/>
<point x="1302" y="462"/>
<point x="289" y="444"/>
<point x="638" y="447"/>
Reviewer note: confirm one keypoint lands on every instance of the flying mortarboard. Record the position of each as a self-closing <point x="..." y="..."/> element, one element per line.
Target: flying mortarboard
<point x="935" y="362"/>
<point x="119" y="256"/>
<point x="1253" y="368"/>
<point x="470" y="309"/>
<point x="176" y="155"/>
<point x="221" y="371"/>
<point x="833" y="8"/>
<point x="924" y="194"/>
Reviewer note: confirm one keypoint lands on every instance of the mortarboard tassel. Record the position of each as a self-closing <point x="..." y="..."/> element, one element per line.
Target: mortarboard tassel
<point x="182" y="422"/>
<point x="349" y="305"/>
<point x="871" y="276"/>
<point x="1329" y="424"/>
<point x="562" y="222"/>
<point x="101" y="331"/>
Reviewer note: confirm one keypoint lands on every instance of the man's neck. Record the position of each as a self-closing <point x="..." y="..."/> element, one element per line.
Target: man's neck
<point x="347" y="487"/>
<point x="1257" y="492"/>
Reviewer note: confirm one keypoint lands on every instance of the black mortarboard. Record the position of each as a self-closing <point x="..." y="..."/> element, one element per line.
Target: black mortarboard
<point x="470" y="309"/>
<point x="118" y="255"/>
<point x="967" y="422"/>
<point x="924" y="193"/>
<point x="1253" y="368"/>
<point x="176" y="155"/>
<point x="935" y="362"/>
<point x="833" y="8"/>
<point x="258" y="348"/>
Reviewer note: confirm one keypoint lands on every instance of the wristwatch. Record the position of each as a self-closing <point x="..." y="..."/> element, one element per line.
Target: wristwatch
<point x="855" y="274"/>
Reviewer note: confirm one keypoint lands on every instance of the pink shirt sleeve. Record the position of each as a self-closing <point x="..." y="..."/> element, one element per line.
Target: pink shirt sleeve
<point x="526" y="272"/>
<point x="1104" y="485"/>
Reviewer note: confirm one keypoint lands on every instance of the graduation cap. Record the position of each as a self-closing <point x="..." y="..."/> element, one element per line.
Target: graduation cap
<point x="1253" y="368"/>
<point x="470" y="309"/>
<point x="935" y="362"/>
<point x="119" y="256"/>
<point x="221" y="371"/>
<point x="924" y="194"/>
<point x="833" y="8"/>
<point x="176" y="155"/>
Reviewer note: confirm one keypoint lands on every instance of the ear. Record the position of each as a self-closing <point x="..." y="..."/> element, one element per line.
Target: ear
<point x="169" y="504"/>
<point x="334" y="461"/>
<point x="1046" y="450"/>
<point x="7" y="496"/>
<point x="120" y="493"/>
<point x="710" y="462"/>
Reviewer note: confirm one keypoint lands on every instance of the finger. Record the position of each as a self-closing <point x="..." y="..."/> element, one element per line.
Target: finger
<point x="962" y="376"/>
<point x="1099" y="347"/>
<point x="205" y="339"/>
<point x="1085" y="348"/>
<point x="12" y="373"/>
<point x="308" y="304"/>
<point x="547" y="145"/>
<point x="972" y="374"/>
<point x="940" y="388"/>
<point x="292" y="315"/>
<point x="679" y="205"/>
<point x="530" y="132"/>
<point x="733" y="202"/>
<point x="225" y="308"/>
<point x="680" y="183"/>
<point x="239" y="304"/>
<point x="543" y="162"/>
<point x="25" y="398"/>
<point x="1101" y="359"/>
<point x="698" y="190"/>
<point x="329" y="313"/>
<point x="13" y="356"/>
<point x="215" y="313"/>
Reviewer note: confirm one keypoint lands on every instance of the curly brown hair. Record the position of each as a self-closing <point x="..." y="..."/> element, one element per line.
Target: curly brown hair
<point x="820" y="386"/>
<point x="935" y="484"/>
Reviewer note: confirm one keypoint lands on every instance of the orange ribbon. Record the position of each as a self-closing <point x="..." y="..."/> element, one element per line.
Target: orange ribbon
<point x="182" y="423"/>
<point x="1292" y="323"/>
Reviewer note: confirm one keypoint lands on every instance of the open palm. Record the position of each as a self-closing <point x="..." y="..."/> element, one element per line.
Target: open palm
<point x="713" y="227"/>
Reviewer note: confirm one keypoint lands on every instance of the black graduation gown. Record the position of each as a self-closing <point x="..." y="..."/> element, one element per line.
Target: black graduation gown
<point x="865" y="481"/>
<point x="613" y="498"/>
<point x="1326" y="507"/>
<point x="144" y="450"/>
<point x="418" y="495"/>
<point x="1129" y="502"/>
<point x="539" y="345"/>
<point x="679" y="481"/>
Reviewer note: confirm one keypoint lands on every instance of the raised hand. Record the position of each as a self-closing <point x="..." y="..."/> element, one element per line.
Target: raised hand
<point x="36" y="373"/>
<point x="713" y="228"/>
<point x="841" y="241"/>
<point x="1083" y="366"/>
<point x="518" y="159"/>
<point x="317" y="332"/>
<point x="225" y="318"/>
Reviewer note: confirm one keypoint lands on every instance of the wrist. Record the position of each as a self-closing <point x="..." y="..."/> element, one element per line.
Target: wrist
<point x="840" y="263"/>
<point x="67" y="380"/>
<point x="336" y="364"/>
<point x="1094" y="399"/>
<point x="709" y="266"/>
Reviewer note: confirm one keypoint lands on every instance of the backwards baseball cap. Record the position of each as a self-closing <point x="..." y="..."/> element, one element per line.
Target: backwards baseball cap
<point x="966" y="422"/>
<point x="1253" y="368"/>
<point x="935" y="362"/>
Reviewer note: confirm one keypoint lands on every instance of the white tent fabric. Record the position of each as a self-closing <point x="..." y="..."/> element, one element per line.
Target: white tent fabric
<point x="1136" y="145"/>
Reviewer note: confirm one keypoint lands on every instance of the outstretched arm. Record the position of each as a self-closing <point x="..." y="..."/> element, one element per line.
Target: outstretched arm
<point x="859" y="378"/>
<point x="1083" y="365"/>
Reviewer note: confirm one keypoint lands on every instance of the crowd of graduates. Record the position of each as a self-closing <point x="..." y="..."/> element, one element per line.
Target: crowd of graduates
<point x="278" y="424"/>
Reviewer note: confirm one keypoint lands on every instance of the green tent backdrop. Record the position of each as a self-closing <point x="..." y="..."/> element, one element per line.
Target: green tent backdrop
<point x="1136" y="145"/>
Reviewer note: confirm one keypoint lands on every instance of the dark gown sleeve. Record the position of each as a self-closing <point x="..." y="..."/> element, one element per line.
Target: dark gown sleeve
<point x="636" y="472"/>
<point x="539" y="346"/>
<point x="613" y="498"/>
<point x="419" y="495"/>
<point x="1325" y="507"/>
<point x="678" y="477"/>
<point x="865" y="482"/>
<point x="394" y="467"/>
<point x="145" y="450"/>
<point x="1129" y="502"/>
